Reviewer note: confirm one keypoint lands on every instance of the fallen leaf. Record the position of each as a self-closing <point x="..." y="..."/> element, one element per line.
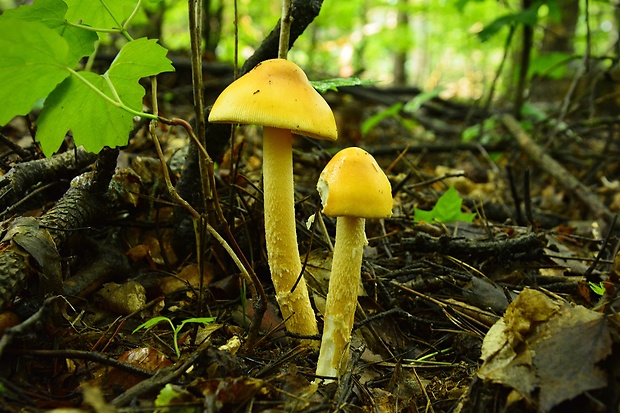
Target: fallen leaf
<point x="546" y="351"/>
<point x="126" y="298"/>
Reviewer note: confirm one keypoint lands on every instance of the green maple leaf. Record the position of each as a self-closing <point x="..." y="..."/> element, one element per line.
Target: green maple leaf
<point x="447" y="209"/>
<point x="95" y="122"/>
<point x="51" y="13"/>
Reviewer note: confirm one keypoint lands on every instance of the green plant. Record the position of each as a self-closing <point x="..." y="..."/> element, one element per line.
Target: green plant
<point x="395" y="110"/>
<point x="168" y="396"/>
<point x="597" y="288"/>
<point x="175" y="329"/>
<point x="323" y="86"/>
<point x="42" y="45"/>
<point x="447" y="209"/>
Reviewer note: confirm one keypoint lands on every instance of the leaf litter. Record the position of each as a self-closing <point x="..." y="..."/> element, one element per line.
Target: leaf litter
<point x="546" y="350"/>
<point x="428" y="310"/>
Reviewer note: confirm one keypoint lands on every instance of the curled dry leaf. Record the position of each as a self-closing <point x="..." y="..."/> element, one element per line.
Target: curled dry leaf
<point x="546" y="351"/>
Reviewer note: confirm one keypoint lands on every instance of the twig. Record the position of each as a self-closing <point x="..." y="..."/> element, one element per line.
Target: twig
<point x="13" y="146"/>
<point x="163" y="376"/>
<point x="557" y="171"/>
<point x="285" y="29"/>
<point x="85" y="355"/>
<point x="26" y="326"/>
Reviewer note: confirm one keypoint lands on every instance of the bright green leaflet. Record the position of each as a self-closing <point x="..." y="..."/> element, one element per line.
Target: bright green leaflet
<point x="95" y="122"/>
<point x="33" y="62"/>
<point x="447" y="209"/>
<point x="597" y="288"/>
<point x="51" y="13"/>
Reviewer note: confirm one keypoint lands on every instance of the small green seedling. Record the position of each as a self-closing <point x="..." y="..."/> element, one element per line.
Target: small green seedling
<point x="175" y="330"/>
<point x="447" y="209"/>
<point x="597" y="288"/>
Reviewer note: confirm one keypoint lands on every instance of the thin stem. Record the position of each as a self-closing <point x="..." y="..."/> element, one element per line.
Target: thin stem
<point x="94" y="29"/>
<point x="118" y="23"/>
<point x="236" y="34"/>
<point x="175" y="338"/>
<point x="133" y="14"/>
<point x="195" y="30"/>
<point x="285" y="29"/>
<point x="113" y="89"/>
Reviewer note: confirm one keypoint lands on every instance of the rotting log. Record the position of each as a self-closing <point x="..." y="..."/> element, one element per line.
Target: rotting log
<point x="21" y="179"/>
<point x="30" y="246"/>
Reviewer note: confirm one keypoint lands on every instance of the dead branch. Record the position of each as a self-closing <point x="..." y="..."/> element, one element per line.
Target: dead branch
<point x="557" y="171"/>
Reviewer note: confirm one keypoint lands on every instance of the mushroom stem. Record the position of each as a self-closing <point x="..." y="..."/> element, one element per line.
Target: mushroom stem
<point x="280" y="232"/>
<point x="342" y="296"/>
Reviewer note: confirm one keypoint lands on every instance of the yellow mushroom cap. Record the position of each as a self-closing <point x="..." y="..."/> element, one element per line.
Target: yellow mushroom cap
<point x="353" y="184"/>
<point x="276" y="93"/>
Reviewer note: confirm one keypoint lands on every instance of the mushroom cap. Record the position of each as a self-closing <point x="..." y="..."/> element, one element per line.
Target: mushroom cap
<point x="353" y="184"/>
<point x="276" y="93"/>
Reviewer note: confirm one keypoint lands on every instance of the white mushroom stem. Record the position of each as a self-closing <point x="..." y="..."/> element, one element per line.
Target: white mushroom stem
<point x="342" y="296"/>
<point x="280" y="232"/>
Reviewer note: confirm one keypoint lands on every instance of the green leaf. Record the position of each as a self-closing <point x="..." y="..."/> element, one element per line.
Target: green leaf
<point x="552" y="65"/>
<point x="199" y="320"/>
<point x="323" y="86"/>
<point x="170" y="399"/>
<point x="33" y="62"/>
<point x="51" y="13"/>
<point x="447" y="209"/>
<point x="108" y="14"/>
<point x="75" y="106"/>
<point x="416" y="103"/>
<point x="95" y="122"/>
<point x="375" y="119"/>
<point x="166" y="395"/>
<point x="597" y="288"/>
<point x="528" y="17"/>
<point x="150" y="323"/>
<point x="137" y="59"/>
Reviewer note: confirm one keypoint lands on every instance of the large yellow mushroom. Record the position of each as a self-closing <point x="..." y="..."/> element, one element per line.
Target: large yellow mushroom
<point x="277" y="95"/>
<point x="352" y="188"/>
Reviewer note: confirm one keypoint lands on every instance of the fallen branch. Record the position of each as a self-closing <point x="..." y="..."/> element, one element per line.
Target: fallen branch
<point x="557" y="171"/>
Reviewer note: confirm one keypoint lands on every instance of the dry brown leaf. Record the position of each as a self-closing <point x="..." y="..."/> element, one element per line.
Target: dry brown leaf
<point x="549" y="346"/>
<point x="126" y="298"/>
<point x="187" y="277"/>
<point x="143" y="357"/>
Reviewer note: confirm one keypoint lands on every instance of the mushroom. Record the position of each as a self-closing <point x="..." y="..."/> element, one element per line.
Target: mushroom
<point x="277" y="95"/>
<point x="352" y="188"/>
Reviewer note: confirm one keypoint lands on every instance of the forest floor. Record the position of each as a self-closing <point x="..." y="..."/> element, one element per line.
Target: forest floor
<point x="514" y="311"/>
